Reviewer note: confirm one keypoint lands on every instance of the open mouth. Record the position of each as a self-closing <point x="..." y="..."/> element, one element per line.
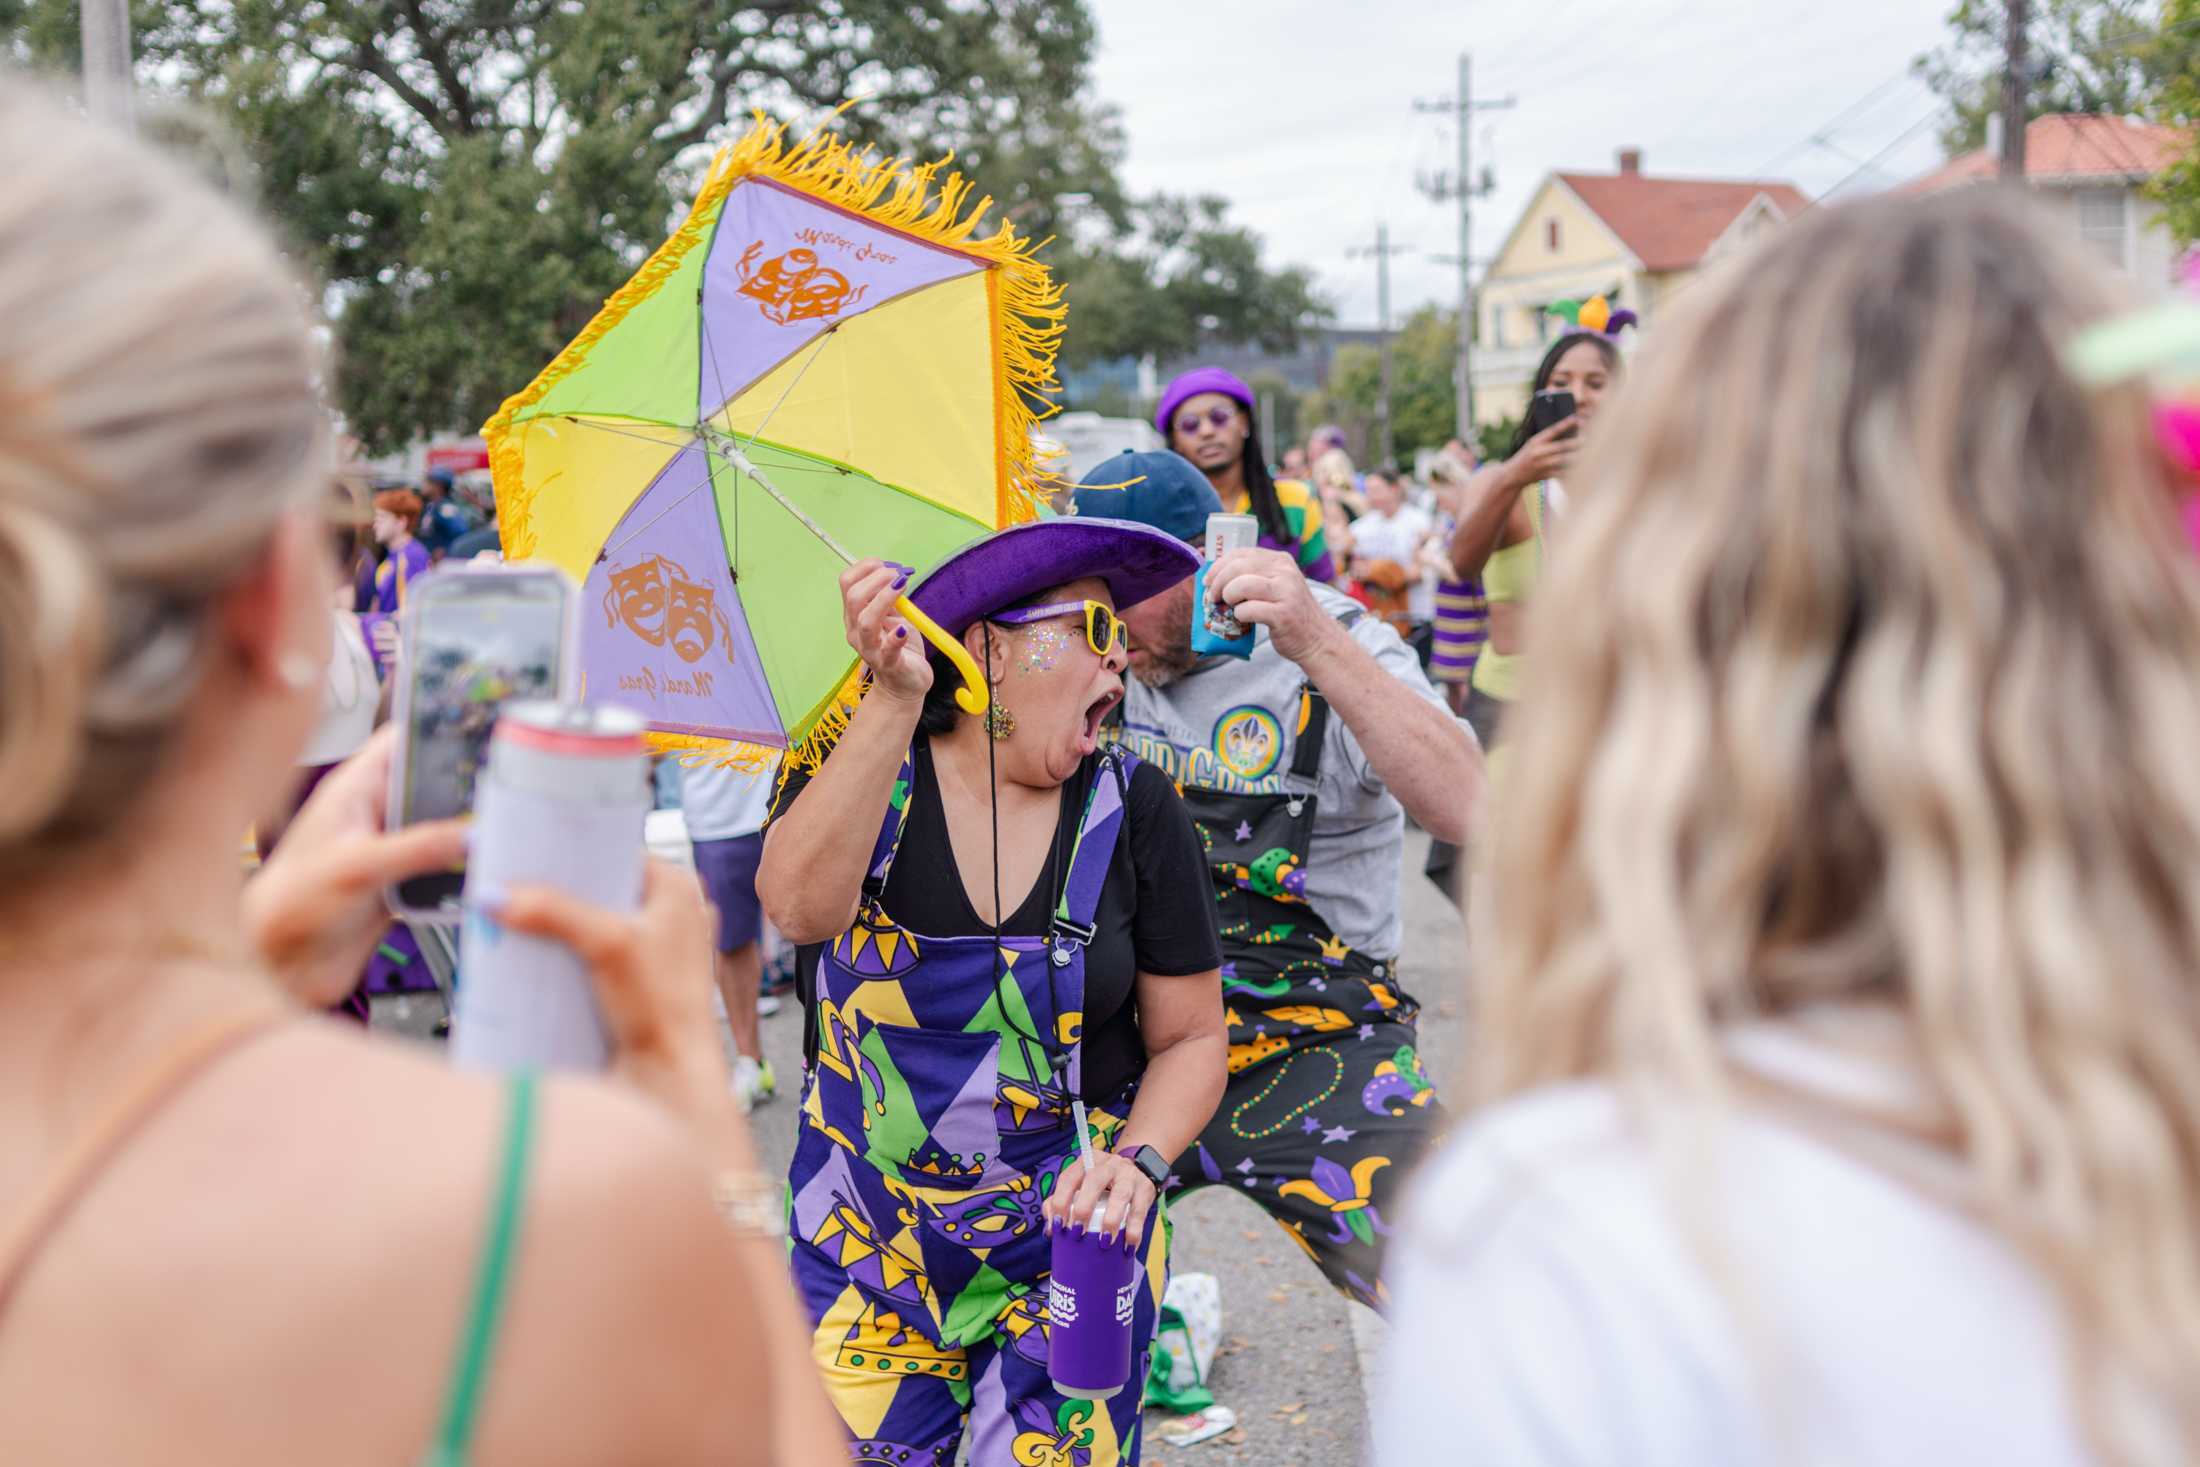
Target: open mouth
<point x="1096" y="713"/>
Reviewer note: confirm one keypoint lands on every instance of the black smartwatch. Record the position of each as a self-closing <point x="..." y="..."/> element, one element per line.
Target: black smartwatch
<point x="1149" y="1161"/>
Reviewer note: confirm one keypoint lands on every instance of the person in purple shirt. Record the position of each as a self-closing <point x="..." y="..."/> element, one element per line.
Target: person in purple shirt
<point x="396" y="515"/>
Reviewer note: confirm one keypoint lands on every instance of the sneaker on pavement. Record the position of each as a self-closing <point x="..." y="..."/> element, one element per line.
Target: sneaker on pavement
<point x="768" y="1004"/>
<point x="753" y="1082"/>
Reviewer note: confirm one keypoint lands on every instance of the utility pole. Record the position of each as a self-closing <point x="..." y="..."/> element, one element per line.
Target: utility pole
<point x="2014" y="76"/>
<point x="1464" y="188"/>
<point x="1382" y="252"/>
<point x="106" y="27"/>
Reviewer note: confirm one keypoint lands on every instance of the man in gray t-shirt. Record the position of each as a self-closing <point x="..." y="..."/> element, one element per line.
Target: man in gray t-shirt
<point x="1300" y="764"/>
<point x="1231" y="725"/>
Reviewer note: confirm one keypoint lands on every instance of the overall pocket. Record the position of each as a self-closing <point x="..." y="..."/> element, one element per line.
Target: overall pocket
<point x="928" y="1096"/>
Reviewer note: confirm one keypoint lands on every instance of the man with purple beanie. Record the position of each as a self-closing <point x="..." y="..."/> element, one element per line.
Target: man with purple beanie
<point x="1207" y="416"/>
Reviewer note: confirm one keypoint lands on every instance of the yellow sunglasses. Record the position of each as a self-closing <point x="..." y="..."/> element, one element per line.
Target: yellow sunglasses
<point x="1103" y="628"/>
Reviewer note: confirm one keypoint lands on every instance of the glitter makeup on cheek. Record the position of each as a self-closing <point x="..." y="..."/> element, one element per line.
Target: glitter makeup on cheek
<point x="1043" y="647"/>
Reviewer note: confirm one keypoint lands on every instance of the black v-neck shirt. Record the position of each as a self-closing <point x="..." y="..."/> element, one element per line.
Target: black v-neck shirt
<point x="1156" y="911"/>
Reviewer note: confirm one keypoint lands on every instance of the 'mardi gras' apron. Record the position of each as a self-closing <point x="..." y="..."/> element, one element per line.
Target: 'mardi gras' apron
<point x="936" y="1120"/>
<point x="1327" y="1108"/>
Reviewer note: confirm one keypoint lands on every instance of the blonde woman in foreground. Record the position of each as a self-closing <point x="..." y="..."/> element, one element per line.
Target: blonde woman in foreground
<point x="1839" y="1032"/>
<point x="231" y="1232"/>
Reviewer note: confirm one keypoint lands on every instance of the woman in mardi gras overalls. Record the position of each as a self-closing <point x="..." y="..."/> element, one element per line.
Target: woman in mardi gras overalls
<point x="950" y="1030"/>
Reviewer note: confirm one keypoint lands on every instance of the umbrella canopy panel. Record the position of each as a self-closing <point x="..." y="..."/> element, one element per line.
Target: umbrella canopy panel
<point x="705" y="555"/>
<point x="783" y="269"/>
<point x="903" y="393"/>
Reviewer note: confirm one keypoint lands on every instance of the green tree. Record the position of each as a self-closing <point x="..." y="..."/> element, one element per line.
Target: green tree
<point x="1493" y="441"/>
<point x="2176" y="69"/>
<point x="1423" y="409"/>
<point x="472" y="177"/>
<point x="1172" y="274"/>
<point x="2091" y="56"/>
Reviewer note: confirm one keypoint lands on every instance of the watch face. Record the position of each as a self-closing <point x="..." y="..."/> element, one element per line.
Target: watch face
<point x="1149" y="1161"/>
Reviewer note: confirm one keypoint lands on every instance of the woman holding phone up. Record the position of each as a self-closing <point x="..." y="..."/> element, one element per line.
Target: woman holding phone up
<point x="1500" y="536"/>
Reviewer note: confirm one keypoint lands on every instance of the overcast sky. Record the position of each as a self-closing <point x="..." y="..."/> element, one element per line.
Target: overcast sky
<point x="1300" y="112"/>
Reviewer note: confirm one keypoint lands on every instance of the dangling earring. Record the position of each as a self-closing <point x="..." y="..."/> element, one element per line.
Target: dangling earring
<point x="999" y="722"/>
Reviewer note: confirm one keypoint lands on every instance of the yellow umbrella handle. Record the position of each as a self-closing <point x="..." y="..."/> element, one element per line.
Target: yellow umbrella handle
<point x="972" y="696"/>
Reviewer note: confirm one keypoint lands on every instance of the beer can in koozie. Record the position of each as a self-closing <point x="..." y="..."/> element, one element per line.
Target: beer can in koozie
<point x="561" y="803"/>
<point x="1092" y="1298"/>
<point x="1225" y="533"/>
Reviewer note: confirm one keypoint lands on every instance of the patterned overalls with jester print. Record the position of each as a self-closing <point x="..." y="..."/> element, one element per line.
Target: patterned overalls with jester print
<point x="936" y="1118"/>
<point x="1327" y="1109"/>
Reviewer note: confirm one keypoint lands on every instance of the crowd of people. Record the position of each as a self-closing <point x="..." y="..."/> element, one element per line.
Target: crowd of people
<point x="1816" y="711"/>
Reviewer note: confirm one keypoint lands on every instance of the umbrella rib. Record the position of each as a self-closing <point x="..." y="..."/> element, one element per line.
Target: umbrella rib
<point x="718" y="378"/>
<point x="734" y="454"/>
<point x="677" y="501"/>
<point x="792" y="383"/>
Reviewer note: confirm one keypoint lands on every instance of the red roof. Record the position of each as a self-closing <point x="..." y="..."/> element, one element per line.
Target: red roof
<point x="2069" y="145"/>
<point x="1669" y="223"/>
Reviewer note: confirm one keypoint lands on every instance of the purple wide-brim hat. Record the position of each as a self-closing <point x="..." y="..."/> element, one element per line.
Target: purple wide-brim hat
<point x="994" y="573"/>
<point x="1191" y="384"/>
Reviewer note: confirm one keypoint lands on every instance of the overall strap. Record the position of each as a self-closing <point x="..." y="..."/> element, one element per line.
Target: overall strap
<point x="1313" y="732"/>
<point x="118" y="1120"/>
<point x="454" y="1438"/>
<point x="884" y="849"/>
<point x="1106" y="806"/>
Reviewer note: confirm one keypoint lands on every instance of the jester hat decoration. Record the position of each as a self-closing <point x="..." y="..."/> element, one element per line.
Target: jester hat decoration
<point x="1593" y="314"/>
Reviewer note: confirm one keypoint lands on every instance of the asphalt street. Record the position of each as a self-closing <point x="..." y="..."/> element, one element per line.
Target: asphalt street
<point x="1296" y="1357"/>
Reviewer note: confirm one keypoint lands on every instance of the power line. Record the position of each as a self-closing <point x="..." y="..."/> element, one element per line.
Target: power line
<point x="1873" y="161"/>
<point x="1830" y="125"/>
<point x="1574" y="38"/>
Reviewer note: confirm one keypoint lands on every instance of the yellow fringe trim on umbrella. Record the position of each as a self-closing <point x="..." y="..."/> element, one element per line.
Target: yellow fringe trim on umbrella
<point x="693" y="751"/>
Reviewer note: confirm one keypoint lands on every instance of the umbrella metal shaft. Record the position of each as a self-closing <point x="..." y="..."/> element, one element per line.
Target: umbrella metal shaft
<point x="731" y="452"/>
<point x="973" y="696"/>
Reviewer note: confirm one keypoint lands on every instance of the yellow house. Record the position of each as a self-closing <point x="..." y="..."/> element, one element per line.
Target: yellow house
<point x="1628" y="236"/>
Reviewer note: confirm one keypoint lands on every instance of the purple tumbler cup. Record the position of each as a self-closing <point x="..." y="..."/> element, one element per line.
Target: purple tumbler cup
<point x="1091" y="1301"/>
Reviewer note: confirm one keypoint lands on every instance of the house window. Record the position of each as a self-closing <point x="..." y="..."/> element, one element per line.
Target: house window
<point x="2102" y="224"/>
<point x="1550" y="235"/>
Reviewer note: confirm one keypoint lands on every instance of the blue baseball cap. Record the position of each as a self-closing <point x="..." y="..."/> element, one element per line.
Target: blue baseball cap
<point x="1172" y="495"/>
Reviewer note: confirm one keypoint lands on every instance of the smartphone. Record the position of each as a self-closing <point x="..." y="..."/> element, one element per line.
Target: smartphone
<point x="1551" y="406"/>
<point x="472" y="638"/>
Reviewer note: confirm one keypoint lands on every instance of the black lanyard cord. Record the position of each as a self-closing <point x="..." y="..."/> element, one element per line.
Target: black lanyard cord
<point x="1056" y="1064"/>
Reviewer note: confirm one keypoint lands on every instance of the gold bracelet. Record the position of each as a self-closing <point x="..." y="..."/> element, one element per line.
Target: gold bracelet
<point x="751" y="1203"/>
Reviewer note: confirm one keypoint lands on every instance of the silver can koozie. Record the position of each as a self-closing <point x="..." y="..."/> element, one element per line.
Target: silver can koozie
<point x="562" y="803"/>
<point x="1225" y="533"/>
